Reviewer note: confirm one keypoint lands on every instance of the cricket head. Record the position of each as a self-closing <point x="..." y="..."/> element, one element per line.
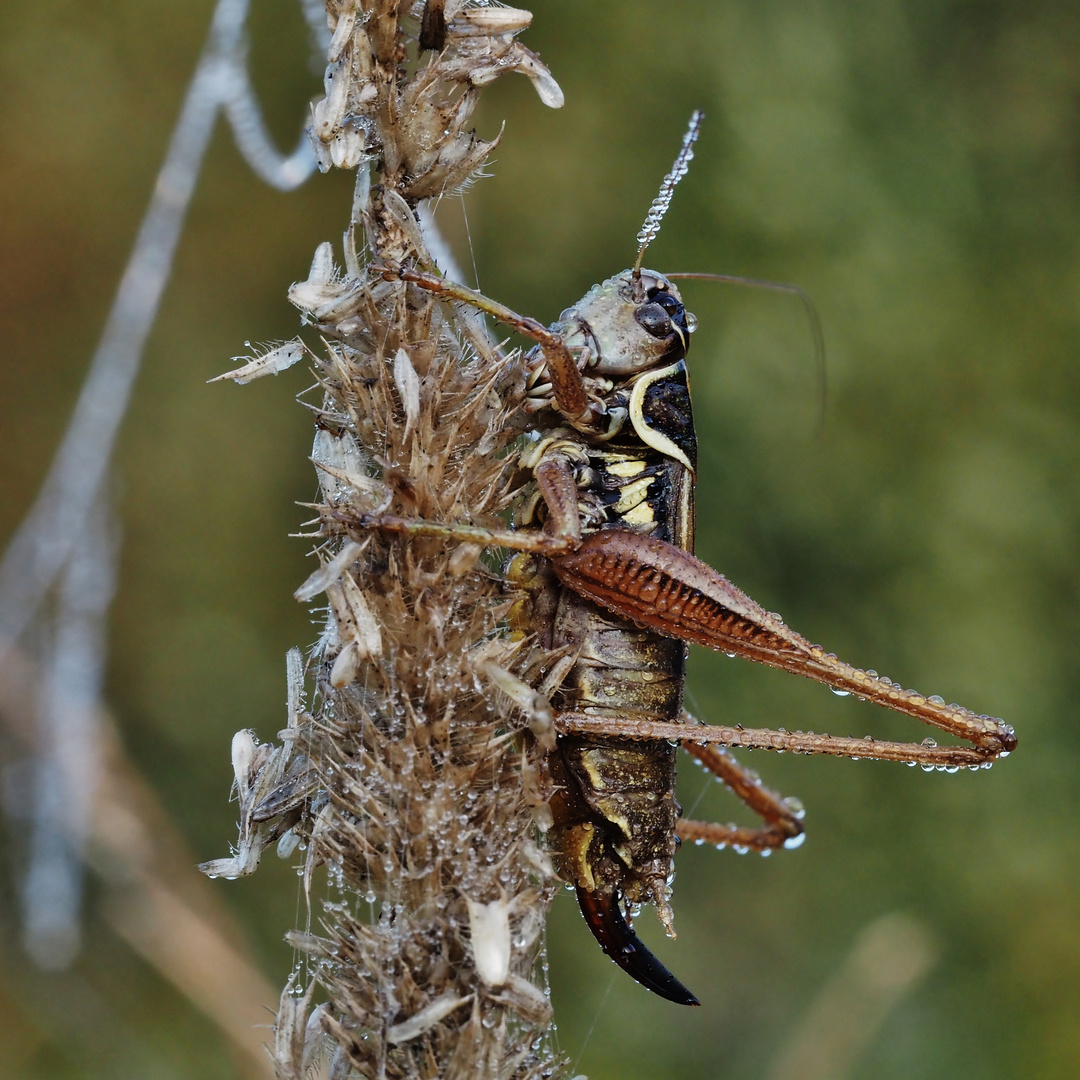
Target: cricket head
<point x="619" y="334"/>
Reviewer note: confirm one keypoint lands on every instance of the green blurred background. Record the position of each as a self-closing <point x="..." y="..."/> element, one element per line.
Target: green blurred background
<point x="915" y="166"/>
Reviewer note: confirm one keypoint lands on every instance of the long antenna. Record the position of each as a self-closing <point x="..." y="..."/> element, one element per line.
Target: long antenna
<point x="667" y="189"/>
<point x="811" y="314"/>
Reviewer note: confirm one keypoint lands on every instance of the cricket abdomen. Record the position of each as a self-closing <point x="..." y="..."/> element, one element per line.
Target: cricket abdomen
<point x="614" y="807"/>
<point x="615" y="812"/>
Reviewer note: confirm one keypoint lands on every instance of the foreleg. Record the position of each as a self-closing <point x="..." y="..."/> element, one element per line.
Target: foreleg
<point x="567" y="383"/>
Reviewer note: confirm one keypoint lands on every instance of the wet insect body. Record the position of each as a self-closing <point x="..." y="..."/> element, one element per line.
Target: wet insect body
<point x="614" y="805"/>
<point x="610" y="585"/>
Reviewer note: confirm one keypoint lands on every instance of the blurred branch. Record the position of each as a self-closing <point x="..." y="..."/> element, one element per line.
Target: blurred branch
<point x="889" y="958"/>
<point x="67" y="763"/>
<point x="56" y="522"/>
<point x="68" y="533"/>
<point x="153" y="897"/>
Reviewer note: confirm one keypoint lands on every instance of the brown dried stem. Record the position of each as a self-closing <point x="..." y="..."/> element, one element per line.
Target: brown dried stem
<point x="411" y="780"/>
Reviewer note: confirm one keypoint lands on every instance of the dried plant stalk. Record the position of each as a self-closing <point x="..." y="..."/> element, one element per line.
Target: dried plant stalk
<point x="413" y="780"/>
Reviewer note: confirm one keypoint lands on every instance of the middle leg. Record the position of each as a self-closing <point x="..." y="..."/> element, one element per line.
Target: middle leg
<point x="927" y="754"/>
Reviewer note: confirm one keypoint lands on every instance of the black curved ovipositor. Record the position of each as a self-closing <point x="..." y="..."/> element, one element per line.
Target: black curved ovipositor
<point x="618" y="940"/>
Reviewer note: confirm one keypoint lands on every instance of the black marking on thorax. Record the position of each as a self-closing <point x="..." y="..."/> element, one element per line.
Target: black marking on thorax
<point x="667" y="411"/>
<point x="638" y="488"/>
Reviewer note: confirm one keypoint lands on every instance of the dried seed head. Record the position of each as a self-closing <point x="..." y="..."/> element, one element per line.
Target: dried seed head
<point x="412" y="782"/>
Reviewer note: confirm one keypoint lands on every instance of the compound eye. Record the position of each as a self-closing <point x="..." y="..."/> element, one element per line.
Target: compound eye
<point x="674" y="309"/>
<point x="654" y="319"/>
